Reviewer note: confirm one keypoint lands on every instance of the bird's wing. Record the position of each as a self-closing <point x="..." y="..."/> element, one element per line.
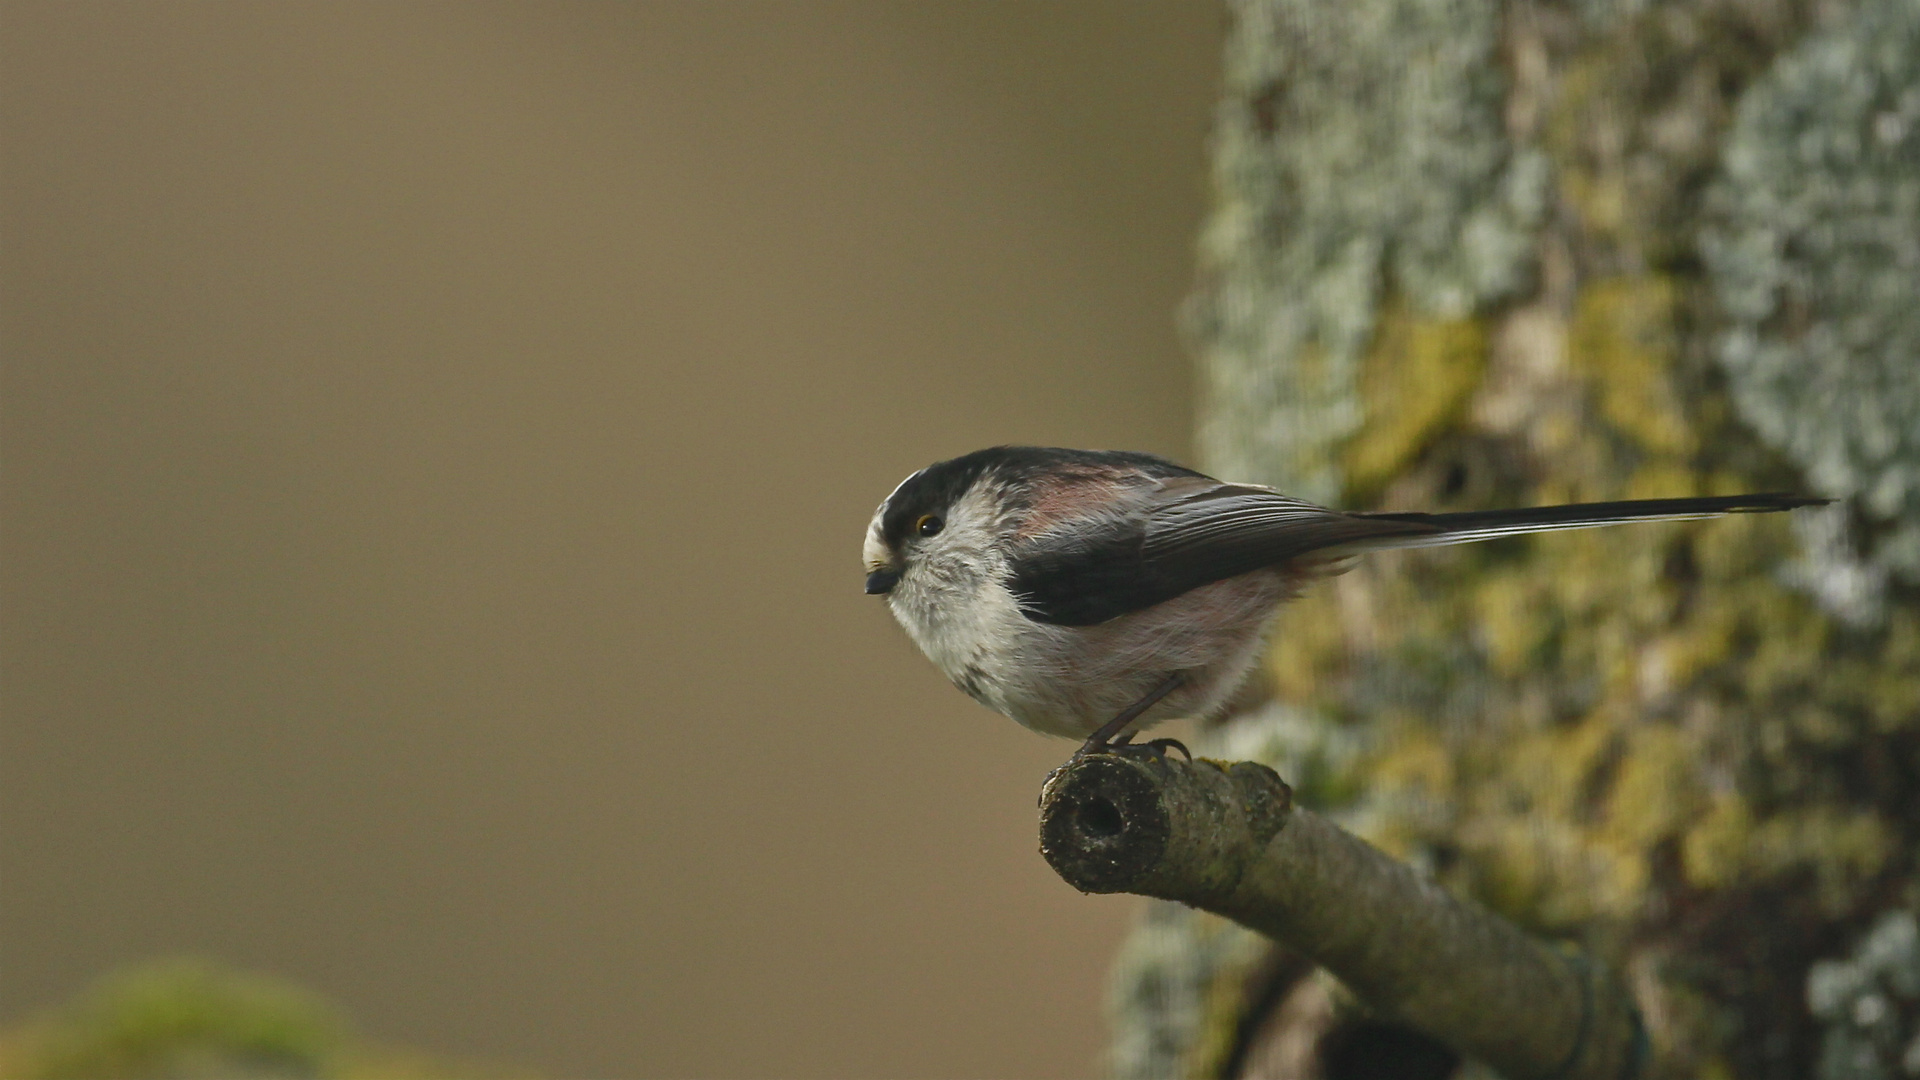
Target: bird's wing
<point x="1189" y="532"/>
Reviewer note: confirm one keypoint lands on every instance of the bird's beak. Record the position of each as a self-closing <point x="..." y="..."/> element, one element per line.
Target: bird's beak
<point x="882" y="581"/>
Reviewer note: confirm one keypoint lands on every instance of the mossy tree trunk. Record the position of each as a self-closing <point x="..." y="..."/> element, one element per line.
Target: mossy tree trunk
<point x="1468" y="254"/>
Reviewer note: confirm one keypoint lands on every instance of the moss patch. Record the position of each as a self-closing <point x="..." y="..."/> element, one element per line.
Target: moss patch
<point x="1415" y="379"/>
<point x="1623" y="340"/>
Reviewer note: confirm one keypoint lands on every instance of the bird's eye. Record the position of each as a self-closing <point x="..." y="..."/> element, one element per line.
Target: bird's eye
<point x="929" y="525"/>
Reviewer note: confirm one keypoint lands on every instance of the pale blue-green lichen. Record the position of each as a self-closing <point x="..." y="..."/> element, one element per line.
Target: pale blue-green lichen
<point x="1868" y="1004"/>
<point x="1815" y="256"/>
<point x="1175" y="983"/>
<point x="1358" y="148"/>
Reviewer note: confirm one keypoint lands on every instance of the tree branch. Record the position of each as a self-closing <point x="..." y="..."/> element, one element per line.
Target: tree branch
<point x="1226" y="838"/>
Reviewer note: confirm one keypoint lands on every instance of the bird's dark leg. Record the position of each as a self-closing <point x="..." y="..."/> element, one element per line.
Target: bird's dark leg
<point x="1103" y="739"/>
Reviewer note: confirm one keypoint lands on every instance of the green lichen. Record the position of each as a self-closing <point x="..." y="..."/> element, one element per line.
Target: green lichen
<point x="1622" y="336"/>
<point x="1415" y="379"/>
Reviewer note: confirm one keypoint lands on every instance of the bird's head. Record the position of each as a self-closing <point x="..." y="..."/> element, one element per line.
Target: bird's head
<point x="940" y="523"/>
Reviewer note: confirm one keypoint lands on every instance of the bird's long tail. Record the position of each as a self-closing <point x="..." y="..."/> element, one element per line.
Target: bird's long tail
<point x="1476" y="525"/>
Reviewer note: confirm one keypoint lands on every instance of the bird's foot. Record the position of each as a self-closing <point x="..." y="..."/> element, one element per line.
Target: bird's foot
<point x="1126" y="747"/>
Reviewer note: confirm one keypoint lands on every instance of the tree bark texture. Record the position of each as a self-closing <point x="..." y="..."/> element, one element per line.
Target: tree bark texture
<point x="1469" y="254"/>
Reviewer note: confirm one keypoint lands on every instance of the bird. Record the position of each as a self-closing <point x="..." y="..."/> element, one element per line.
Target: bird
<point x="1094" y="593"/>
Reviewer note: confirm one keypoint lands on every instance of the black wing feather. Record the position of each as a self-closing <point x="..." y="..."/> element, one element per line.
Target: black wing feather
<point x="1194" y="534"/>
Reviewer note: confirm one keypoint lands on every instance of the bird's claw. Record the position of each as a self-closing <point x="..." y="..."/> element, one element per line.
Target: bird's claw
<point x="1124" y="746"/>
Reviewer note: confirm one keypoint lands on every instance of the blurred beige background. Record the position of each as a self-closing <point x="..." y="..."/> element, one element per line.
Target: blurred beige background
<point x="437" y="439"/>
